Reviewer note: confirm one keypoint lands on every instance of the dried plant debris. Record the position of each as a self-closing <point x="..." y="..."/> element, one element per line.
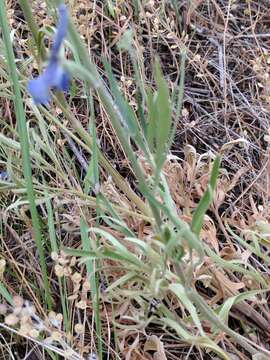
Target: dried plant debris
<point x="226" y="110"/>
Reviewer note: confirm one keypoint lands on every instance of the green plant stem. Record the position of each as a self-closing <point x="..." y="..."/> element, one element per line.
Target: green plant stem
<point x="20" y="117"/>
<point x="28" y="14"/>
<point x="120" y="182"/>
<point x="118" y="179"/>
<point x="93" y="277"/>
<point x="112" y="110"/>
<point x="180" y="94"/>
<point x="214" y="319"/>
<point x="5" y="294"/>
<point x="96" y="82"/>
<point x="110" y="107"/>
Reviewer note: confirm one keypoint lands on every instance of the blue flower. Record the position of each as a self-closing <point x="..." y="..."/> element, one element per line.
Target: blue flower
<point x="54" y="76"/>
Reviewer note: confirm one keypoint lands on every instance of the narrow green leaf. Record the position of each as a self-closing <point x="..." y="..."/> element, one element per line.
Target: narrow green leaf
<point x="54" y="247"/>
<point x="129" y="117"/>
<point x="152" y="120"/>
<point x="120" y="248"/>
<point x="52" y="235"/>
<point x="226" y="307"/>
<point x="6" y="295"/>
<point x="198" y="216"/>
<point x="21" y="121"/>
<point x="180" y="292"/>
<point x="200" y="341"/>
<point x="253" y="249"/>
<point x="91" y="273"/>
<point x="236" y="266"/>
<point x="164" y="116"/>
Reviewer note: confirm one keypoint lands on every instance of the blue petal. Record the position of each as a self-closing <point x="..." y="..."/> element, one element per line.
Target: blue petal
<point x="39" y="90"/>
<point x="59" y="78"/>
<point x="61" y="30"/>
<point x="63" y="84"/>
<point x="54" y="76"/>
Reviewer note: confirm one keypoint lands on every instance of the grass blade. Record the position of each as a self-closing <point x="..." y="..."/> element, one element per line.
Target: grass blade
<point x="164" y="118"/>
<point x="197" y="218"/>
<point x="90" y="267"/>
<point x="20" y="116"/>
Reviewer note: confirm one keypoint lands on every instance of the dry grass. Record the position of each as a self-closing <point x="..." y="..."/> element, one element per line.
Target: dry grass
<point x="226" y="109"/>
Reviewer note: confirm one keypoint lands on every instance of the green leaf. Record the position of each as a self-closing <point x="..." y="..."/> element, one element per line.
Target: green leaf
<point x="152" y="120"/>
<point x="164" y="117"/>
<point x="128" y="115"/>
<point x="198" y="216"/>
<point x="125" y="42"/>
<point x="91" y="274"/>
<point x="120" y="248"/>
<point x="54" y="247"/>
<point x="255" y="250"/>
<point x="6" y="295"/>
<point x="201" y="341"/>
<point x="111" y="8"/>
<point x="25" y="151"/>
<point x="235" y="265"/>
<point x="226" y="307"/>
<point x="180" y="292"/>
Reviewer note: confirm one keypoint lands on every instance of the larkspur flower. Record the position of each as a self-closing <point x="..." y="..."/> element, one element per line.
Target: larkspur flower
<point x="54" y="76"/>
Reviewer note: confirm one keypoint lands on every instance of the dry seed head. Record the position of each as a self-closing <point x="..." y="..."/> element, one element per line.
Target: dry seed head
<point x="11" y="319"/>
<point x="3" y="309"/>
<point x="73" y="261"/>
<point x="2" y="266"/>
<point x="67" y="271"/>
<point x="197" y="58"/>
<point x="52" y="315"/>
<point x="185" y="112"/>
<point x="56" y="336"/>
<point x="63" y="261"/>
<point x="63" y="254"/>
<point x="79" y="328"/>
<point x="54" y="256"/>
<point x="156" y="22"/>
<point x="86" y="285"/>
<point x="25" y="329"/>
<point x="171" y="35"/>
<point x="59" y="270"/>
<point x="17" y="311"/>
<point x="55" y="319"/>
<point x="69" y="337"/>
<point x="81" y="305"/>
<point x="76" y="277"/>
<point x="24" y="319"/>
<point x="17" y="301"/>
<point x="34" y="333"/>
<point x="59" y="317"/>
